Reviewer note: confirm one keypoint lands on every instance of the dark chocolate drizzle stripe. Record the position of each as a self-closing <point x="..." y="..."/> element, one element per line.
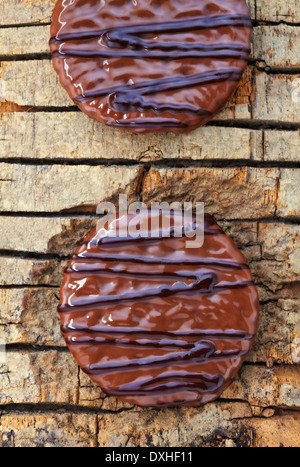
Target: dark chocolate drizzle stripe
<point x="178" y="359"/>
<point x="150" y="275"/>
<point x="131" y="95"/>
<point x="202" y="383"/>
<point x="239" y="52"/>
<point x="232" y="334"/>
<point x="140" y="104"/>
<point x="158" y="122"/>
<point x="202" y="350"/>
<point x="163" y="291"/>
<point x="204" y="284"/>
<point x="123" y="36"/>
<point x="169" y="234"/>
<point x="126" y="342"/>
<point x="221" y="263"/>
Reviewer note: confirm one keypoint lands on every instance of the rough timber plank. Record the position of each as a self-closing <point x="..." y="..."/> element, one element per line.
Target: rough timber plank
<point x="48" y="429"/>
<point x="277" y="10"/>
<point x="49" y="376"/>
<point x="25" y="11"/>
<point x="72" y="135"/>
<point x="57" y="188"/>
<point x="17" y="271"/>
<point x="32" y="83"/>
<point x="277" y="431"/>
<point x="289" y="193"/>
<point x="279" y="329"/>
<point x="277" y="46"/>
<point x="267" y="387"/>
<point x="24" y="41"/>
<point x="215" y="425"/>
<point x="38" y="377"/>
<point x="29" y="316"/>
<point x="274" y="98"/>
<point x="274" y="46"/>
<point x="233" y="193"/>
<point x="59" y="236"/>
<point x="278" y="266"/>
<point x="281" y="145"/>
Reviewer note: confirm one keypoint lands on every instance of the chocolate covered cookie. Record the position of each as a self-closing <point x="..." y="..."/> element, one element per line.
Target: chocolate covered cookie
<point x="154" y="322"/>
<point x="149" y="65"/>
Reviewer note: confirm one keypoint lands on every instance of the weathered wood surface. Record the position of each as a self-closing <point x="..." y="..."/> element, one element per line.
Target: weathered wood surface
<point x="72" y="135"/>
<point x="56" y="165"/>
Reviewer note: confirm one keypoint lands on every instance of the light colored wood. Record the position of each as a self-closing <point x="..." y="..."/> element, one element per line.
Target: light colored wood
<point x="42" y="135"/>
<point x="274" y="98"/>
<point x="281" y="145"/>
<point x="277" y="46"/>
<point x="62" y="188"/>
<point x="42" y="235"/>
<point x="200" y="427"/>
<point x="25" y="11"/>
<point x="29" y="316"/>
<point x="32" y="377"/>
<point x="289" y="193"/>
<point x="278" y="10"/>
<point x="72" y="135"/>
<point x="32" y="83"/>
<point x="263" y="387"/>
<point x="234" y="193"/>
<point x="50" y="429"/>
<point x="17" y="271"/>
<point x="24" y="41"/>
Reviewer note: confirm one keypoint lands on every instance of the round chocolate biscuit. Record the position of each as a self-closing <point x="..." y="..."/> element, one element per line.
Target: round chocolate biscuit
<point x="155" y="322"/>
<point x="149" y="65"/>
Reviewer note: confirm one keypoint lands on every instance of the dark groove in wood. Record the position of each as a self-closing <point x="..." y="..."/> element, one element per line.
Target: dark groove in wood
<point x="80" y="215"/>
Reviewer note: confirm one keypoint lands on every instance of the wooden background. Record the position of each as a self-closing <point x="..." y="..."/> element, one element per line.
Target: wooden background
<point x="57" y="164"/>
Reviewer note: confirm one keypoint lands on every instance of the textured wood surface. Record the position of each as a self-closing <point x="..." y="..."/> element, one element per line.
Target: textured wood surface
<point x="56" y="165"/>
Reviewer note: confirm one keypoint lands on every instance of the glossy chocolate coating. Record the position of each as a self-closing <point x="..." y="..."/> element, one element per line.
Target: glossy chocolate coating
<point x="149" y="65"/>
<point x="156" y="323"/>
